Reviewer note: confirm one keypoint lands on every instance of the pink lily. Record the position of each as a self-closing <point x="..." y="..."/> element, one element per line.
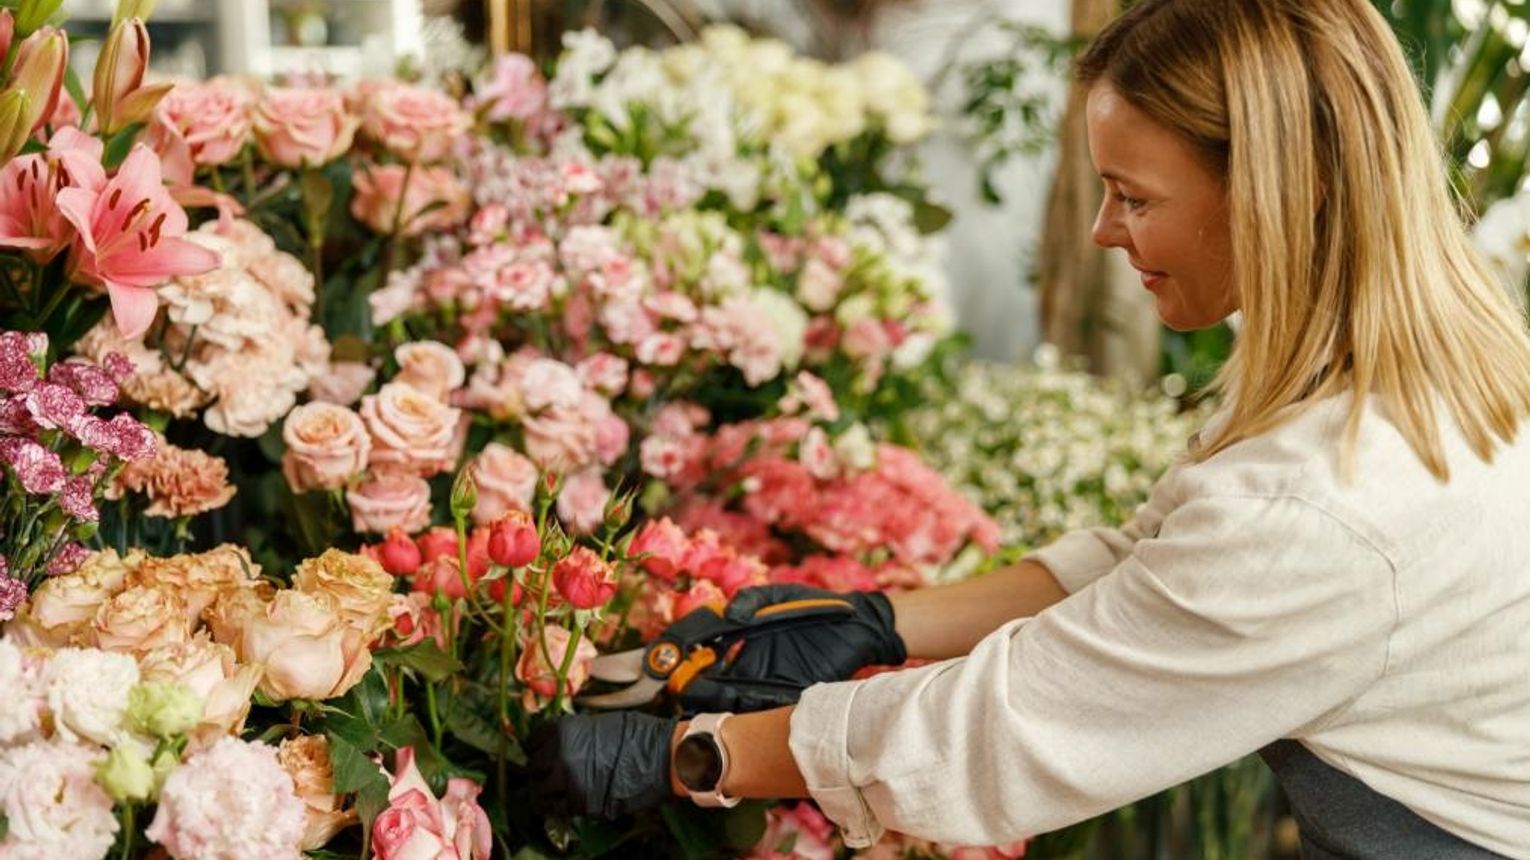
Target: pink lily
<point x="130" y="239"/>
<point x="30" y="219"/>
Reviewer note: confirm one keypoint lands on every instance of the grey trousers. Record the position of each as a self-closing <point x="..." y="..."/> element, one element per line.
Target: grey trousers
<point x="1341" y="818"/>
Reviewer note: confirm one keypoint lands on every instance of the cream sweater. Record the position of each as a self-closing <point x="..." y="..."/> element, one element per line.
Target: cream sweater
<point x="1385" y="623"/>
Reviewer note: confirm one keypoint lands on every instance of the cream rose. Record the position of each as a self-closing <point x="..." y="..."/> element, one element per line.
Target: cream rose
<point x="211" y="671"/>
<point x="411" y="431"/>
<point x="307" y="649"/>
<point x="139" y="620"/>
<point x="62" y="607"/>
<point x="326" y="446"/>
<point x="429" y="367"/>
<point x="362" y="590"/>
<point x="306" y="760"/>
<point x="390" y="499"/>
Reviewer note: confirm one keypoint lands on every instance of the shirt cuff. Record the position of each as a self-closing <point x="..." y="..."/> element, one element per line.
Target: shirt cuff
<point x="820" y="743"/>
<point x="1075" y="560"/>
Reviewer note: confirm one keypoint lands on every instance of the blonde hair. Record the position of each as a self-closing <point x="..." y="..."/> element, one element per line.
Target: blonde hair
<point x="1351" y="262"/>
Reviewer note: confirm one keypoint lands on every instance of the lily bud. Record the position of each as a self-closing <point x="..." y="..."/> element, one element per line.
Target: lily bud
<point x="7" y="32"/>
<point x="120" y="96"/>
<point x="41" y="61"/>
<point x="14" y="128"/>
<point x="32" y="14"/>
<point x="133" y="9"/>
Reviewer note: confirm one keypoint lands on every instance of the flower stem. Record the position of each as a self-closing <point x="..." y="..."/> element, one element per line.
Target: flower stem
<point x="128" y="828"/>
<point x="390" y="256"/>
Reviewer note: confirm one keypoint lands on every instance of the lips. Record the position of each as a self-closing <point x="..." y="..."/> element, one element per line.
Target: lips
<point x="1150" y="279"/>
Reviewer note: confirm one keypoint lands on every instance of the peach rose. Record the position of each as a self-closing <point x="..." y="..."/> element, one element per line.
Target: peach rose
<point x="411" y="431"/>
<point x="413" y="123"/>
<point x="199" y="578"/>
<point x="537" y="669"/>
<point x="211" y="671"/>
<point x="390" y="500"/>
<point x="226" y="617"/>
<point x="361" y="588"/>
<point x="138" y="620"/>
<point x="430" y="367"/>
<point x="506" y="481"/>
<point x="308" y="650"/>
<point x="326" y="446"/>
<point x="377" y="193"/>
<point x="62" y="608"/>
<point x="302" y="127"/>
<point x="306" y="760"/>
<point x="343" y="383"/>
<point x="211" y="119"/>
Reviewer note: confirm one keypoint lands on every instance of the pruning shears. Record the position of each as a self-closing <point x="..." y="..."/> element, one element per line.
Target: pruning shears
<point x="678" y="659"/>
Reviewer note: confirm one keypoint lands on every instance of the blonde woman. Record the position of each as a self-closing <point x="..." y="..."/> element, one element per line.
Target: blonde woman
<point x="1337" y="574"/>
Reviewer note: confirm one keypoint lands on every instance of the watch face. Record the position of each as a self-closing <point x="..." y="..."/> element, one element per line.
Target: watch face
<point x="698" y="763"/>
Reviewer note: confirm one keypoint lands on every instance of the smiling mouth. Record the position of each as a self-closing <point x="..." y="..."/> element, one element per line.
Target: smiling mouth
<point x="1150" y="279"/>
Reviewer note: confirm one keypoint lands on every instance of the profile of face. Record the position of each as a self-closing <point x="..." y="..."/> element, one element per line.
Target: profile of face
<point x="1166" y="208"/>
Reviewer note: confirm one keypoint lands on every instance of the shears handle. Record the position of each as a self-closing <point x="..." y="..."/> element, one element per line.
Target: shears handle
<point x="698" y="640"/>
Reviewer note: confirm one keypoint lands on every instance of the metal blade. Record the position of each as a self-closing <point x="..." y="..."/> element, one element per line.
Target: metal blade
<point x="619" y="668"/>
<point x="640" y="692"/>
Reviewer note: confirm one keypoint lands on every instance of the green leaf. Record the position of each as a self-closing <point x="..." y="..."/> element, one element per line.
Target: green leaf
<point x="5" y="826"/>
<point x="744" y="825"/>
<point x="688" y="825"/>
<point x="353" y="770"/>
<point x="371" y="800"/>
<point x="478" y="730"/>
<point x="426" y="658"/>
<point x="531" y="853"/>
<point x="120" y="145"/>
<point x="931" y="218"/>
<point x="372" y="696"/>
<point x="361" y="734"/>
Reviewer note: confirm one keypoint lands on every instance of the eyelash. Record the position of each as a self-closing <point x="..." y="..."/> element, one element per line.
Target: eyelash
<point x="1132" y="203"/>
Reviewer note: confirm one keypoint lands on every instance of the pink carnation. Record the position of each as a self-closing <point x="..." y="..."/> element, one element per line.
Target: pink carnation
<point x="232" y="801"/>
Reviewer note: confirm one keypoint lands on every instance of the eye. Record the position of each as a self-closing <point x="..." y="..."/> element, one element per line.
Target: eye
<point x="1132" y="203"/>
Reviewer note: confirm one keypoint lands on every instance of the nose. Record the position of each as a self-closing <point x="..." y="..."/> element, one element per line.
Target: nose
<point x="1108" y="231"/>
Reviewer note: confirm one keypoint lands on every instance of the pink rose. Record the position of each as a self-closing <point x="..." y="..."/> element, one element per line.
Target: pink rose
<point x="584" y="579"/>
<point x="611" y="437"/>
<point x="413" y="123"/>
<point x="560" y="438"/>
<point x="703" y="592"/>
<point x="410" y="430"/>
<point x="665" y="544"/>
<point x="326" y="446"/>
<point x="538" y="669"/>
<point x="212" y="120"/>
<point x="390" y="499"/>
<point x="582" y="504"/>
<point x="435" y="188"/>
<point x="417" y="826"/>
<point x="429" y="366"/>
<point x="603" y="373"/>
<point x="513" y="540"/>
<point x="302" y="127"/>
<point x="506" y="481"/>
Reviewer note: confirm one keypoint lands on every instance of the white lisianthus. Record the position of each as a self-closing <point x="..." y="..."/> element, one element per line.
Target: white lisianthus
<point x="586" y="54"/>
<point x="786" y="320"/>
<point x="88" y="692"/>
<point x="856" y="450"/>
<point x="1503" y="234"/>
<point x="21" y="707"/>
<point x="52" y="804"/>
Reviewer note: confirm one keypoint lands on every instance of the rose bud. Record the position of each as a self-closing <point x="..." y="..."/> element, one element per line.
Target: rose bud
<point x="437" y="542"/>
<point x="478" y="560"/>
<point x="584" y="579"/>
<point x="399" y="554"/>
<point x="513" y="540"/>
<point x="441" y="575"/>
<point x="497" y="591"/>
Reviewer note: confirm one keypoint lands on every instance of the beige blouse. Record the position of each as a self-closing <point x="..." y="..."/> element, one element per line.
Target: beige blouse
<point x="1384" y="622"/>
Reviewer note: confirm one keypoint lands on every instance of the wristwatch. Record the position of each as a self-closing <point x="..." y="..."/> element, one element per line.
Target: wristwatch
<point x="701" y="761"/>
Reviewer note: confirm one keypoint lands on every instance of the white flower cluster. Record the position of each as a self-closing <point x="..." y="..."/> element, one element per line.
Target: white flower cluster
<point x="1503" y="234"/>
<point x="1046" y="450"/>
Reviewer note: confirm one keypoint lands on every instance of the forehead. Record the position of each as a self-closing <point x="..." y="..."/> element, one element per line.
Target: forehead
<point x="1128" y="144"/>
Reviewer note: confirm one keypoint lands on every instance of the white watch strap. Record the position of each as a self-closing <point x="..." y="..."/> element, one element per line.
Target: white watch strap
<point x="711" y="724"/>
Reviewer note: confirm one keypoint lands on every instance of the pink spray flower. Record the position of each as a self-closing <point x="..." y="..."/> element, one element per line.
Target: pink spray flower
<point x="130" y="239"/>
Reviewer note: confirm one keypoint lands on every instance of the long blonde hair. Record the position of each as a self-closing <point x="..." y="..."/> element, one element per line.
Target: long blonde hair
<point x="1351" y="261"/>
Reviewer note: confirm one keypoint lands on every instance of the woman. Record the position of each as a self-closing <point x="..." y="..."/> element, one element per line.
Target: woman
<point x="1341" y="561"/>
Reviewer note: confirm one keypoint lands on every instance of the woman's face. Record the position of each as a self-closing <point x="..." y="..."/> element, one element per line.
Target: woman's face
<point x="1165" y="208"/>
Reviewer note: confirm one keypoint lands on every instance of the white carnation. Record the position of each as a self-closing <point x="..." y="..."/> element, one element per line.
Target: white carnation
<point x="21" y="706"/>
<point x="52" y="804"/>
<point x="232" y="801"/>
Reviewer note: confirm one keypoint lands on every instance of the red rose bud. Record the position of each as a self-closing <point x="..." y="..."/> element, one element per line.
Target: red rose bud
<point x="618" y="511"/>
<point x="437" y="542"/>
<point x="497" y="591"/>
<point x="666" y="546"/>
<point x="513" y="540"/>
<point x="584" y="580"/>
<point x="398" y="554"/>
<point x="442" y="575"/>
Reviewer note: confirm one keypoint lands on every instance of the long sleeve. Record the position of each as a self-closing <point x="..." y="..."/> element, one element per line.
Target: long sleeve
<point x="1084" y="555"/>
<point x="1245" y="619"/>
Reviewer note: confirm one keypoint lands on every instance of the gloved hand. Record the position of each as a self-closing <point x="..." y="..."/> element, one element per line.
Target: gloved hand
<point x="776" y="664"/>
<point x="601" y="765"/>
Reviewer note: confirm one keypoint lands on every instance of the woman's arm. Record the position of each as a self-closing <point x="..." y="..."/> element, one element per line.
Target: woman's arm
<point x="760" y="759"/>
<point x="939" y="623"/>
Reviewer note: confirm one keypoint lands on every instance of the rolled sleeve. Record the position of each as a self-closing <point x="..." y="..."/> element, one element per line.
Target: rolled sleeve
<point x="1242" y="621"/>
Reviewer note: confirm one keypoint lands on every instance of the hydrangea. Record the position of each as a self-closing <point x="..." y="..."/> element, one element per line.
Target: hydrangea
<point x="233" y="801"/>
<point x="54" y="808"/>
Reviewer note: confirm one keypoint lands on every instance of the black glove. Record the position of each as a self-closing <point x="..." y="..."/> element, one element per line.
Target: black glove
<point x="601" y="765"/>
<point x="776" y="664"/>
